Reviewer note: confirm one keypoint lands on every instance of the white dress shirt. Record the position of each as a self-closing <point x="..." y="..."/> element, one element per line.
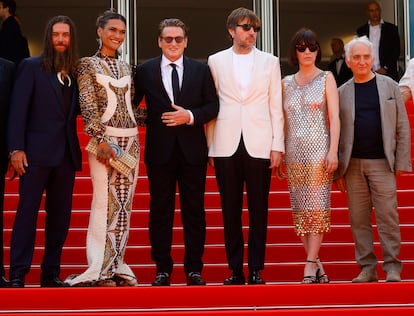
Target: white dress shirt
<point x="374" y="37"/>
<point x="166" y="70"/>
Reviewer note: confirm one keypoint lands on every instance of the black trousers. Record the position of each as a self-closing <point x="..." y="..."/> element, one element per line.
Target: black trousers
<point x="233" y="174"/>
<point x="57" y="183"/>
<point x="163" y="180"/>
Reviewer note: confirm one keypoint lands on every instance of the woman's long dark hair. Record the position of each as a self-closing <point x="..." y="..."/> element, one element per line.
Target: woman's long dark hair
<point x="48" y="55"/>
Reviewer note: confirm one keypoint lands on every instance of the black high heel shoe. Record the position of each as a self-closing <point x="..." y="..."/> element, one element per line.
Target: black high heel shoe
<point x="322" y="278"/>
<point x="311" y="279"/>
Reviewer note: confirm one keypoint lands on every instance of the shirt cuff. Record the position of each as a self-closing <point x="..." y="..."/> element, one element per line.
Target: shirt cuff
<point x="191" y="121"/>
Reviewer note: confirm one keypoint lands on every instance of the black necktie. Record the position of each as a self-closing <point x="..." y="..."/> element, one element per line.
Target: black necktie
<point x="175" y="82"/>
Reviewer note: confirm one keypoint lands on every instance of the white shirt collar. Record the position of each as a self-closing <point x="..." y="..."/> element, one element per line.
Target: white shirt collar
<point x="382" y="22"/>
<point x="166" y="62"/>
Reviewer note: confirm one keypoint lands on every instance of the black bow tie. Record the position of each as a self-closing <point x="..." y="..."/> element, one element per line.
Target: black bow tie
<point x="339" y="58"/>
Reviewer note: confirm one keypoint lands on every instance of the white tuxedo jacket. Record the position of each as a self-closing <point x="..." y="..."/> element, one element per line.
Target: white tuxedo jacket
<point x="258" y="116"/>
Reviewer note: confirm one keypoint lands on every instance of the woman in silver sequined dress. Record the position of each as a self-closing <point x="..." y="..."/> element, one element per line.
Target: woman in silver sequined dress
<point x="310" y="102"/>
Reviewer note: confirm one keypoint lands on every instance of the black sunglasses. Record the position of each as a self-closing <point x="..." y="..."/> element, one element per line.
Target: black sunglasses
<point x="169" y="39"/>
<point x="247" y="27"/>
<point x="312" y="47"/>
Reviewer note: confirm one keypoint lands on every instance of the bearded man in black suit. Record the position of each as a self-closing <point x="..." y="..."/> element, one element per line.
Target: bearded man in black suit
<point x="44" y="150"/>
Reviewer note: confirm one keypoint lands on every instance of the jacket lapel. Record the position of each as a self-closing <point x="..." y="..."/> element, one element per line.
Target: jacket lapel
<point x="230" y="78"/>
<point x="382" y="96"/>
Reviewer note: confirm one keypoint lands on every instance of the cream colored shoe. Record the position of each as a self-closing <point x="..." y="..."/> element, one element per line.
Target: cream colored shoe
<point x="393" y="276"/>
<point x="365" y="277"/>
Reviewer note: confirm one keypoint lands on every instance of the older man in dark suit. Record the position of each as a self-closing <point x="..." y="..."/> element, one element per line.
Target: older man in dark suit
<point x="180" y="98"/>
<point x="385" y="39"/>
<point x="6" y="84"/>
<point x="44" y="150"/>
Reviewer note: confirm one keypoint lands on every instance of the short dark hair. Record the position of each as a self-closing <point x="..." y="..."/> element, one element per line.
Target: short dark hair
<point x="103" y="19"/>
<point x="11" y="4"/>
<point x="303" y="36"/>
<point x="47" y="56"/>
<point x="172" y="22"/>
<point x="241" y="13"/>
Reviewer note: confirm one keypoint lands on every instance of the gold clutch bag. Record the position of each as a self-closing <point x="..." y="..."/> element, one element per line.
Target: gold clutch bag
<point x="124" y="162"/>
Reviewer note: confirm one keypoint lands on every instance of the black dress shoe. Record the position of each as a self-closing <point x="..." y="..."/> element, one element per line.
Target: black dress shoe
<point x="17" y="282"/>
<point x="235" y="279"/>
<point x="194" y="278"/>
<point x="255" y="278"/>
<point x="54" y="282"/>
<point x="162" y="279"/>
<point x="4" y="282"/>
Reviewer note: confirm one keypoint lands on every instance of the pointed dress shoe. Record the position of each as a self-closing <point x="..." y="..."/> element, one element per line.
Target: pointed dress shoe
<point x="235" y="279"/>
<point x="162" y="279"/>
<point x="17" y="282"/>
<point x="4" y="282"/>
<point x="53" y="282"/>
<point x="194" y="278"/>
<point x="255" y="278"/>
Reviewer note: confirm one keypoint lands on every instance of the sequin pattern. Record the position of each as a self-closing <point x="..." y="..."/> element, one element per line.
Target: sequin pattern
<point x="307" y="144"/>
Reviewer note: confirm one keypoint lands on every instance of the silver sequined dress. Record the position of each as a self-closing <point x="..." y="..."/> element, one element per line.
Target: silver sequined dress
<point x="307" y="144"/>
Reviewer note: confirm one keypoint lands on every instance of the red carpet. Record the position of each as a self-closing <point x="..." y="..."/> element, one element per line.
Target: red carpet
<point x="339" y="299"/>
<point x="284" y="263"/>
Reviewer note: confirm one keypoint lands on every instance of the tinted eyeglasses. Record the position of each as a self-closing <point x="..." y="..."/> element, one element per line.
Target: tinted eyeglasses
<point x="169" y="39"/>
<point x="302" y="47"/>
<point x="247" y="27"/>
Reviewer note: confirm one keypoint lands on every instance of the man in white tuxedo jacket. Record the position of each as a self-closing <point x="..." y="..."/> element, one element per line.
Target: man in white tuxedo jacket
<point x="246" y="140"/>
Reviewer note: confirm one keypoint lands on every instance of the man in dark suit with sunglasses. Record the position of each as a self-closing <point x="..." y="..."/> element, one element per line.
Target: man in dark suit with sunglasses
<point x="180" y="98"/>
<point x="246" y="140"/>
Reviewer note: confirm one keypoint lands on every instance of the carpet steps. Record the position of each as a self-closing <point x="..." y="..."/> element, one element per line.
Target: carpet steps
<point x="284" y="262"/>
<point x="84" y="184"/>
<point x="275" y="272"/>
<point x="278" y="253"/>
<point x="291" y="300"/>
<point x="278" y="199"/>
<point x="276" y="216"/>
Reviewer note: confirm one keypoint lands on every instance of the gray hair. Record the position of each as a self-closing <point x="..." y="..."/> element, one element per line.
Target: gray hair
<point x="357" y="40"/>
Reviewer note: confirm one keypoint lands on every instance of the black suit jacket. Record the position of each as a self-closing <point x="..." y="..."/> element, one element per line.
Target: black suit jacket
<point x="37" y="120"/>
<point x="13" y="45"/>
<point x="389" y="48"/>
<point x="6" y="83"/>
<point x="345" y="73"/>
<point x="197" y="94"/>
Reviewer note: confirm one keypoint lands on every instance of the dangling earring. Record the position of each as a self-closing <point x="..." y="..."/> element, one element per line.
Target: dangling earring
<point x="99" y="43"/>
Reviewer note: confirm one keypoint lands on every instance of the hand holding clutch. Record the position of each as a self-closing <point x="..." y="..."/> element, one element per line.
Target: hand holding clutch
<point x="124" y="162"/>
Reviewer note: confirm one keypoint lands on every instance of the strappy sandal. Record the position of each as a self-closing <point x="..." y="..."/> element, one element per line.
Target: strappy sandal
<point x="322" y="278"/>
<point x="104" y="283"/>
<point x="127" y="281"/>
<point x="311" y="279"/>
